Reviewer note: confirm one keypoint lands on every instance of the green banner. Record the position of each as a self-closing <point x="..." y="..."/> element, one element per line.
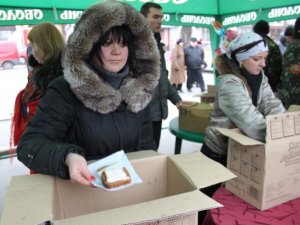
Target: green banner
<point x="276" y="14"/>
<point x="23" y="16"/>
<point x="12" y="16"/>
<point x="188" y="20"/>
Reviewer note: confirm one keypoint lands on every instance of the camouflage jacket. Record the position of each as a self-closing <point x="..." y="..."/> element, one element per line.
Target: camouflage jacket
<point x="290" y="87"/>
<point x="273" y="69"/>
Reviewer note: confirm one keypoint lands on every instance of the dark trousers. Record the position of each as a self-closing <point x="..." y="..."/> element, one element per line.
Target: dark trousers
<point x="177" y="86"/>
<point x="156" y="131"/>
<point x="210" y="190"/>
<point x="195" y="75"/>
<point x="214" y="156"/>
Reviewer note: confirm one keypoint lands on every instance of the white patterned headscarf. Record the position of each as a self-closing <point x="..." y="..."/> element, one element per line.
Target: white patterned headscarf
<point x="246" y="45"/>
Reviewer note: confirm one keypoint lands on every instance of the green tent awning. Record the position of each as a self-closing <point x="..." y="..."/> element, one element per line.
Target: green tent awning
<point x="177" y="12"/>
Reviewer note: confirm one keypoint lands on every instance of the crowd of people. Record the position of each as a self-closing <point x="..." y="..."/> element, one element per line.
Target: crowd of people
<point x="188" y="61"/>
<point x="107" y="89"/>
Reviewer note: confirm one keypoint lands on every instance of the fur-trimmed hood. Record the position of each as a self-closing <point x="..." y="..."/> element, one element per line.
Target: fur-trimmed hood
<point x="86" y="84"/>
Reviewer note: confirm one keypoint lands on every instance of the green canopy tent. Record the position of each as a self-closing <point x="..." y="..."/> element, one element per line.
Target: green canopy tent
<point x="178" y="12"/>
<point x="198" y="13"/>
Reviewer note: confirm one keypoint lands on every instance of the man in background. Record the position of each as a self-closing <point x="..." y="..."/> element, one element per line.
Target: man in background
<point x="164" y="91"/>
<point x="286" y="38"/>
<point x="194" y="61"/>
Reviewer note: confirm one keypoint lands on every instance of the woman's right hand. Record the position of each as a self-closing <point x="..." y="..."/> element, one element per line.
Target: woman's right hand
<point x="78" y="170"/>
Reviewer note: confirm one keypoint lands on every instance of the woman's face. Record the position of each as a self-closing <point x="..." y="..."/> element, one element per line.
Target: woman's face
<point x="37" y="53"/>
<point x="114" y="56"/>
<point x="255" y="64"/>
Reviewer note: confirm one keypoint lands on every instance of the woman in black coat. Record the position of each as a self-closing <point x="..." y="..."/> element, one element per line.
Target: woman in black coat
<point x="100" y="105"/>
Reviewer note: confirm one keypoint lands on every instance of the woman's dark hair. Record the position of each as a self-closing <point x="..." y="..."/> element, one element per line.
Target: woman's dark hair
<point x="31" y="61"/>
<point x="45" y="73"/>
<point x="117" y="34"/>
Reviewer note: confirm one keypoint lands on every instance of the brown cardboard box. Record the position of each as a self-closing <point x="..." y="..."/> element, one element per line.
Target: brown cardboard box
<point x="168" y="195"/>
<point x="268" y="174"/>
<point x="194" y="116"/>
<point x="294" y="108"/>
<point x="208" y="97"/>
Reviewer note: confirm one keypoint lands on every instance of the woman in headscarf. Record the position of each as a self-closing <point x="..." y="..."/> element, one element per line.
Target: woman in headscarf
<point x="100" y="105"/>
<point x="244" y="98"/>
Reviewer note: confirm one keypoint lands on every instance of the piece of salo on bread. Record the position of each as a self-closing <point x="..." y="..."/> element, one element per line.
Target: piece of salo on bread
<point x="114" y="176"/>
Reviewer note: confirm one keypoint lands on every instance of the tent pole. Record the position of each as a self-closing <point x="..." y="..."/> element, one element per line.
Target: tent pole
<point x="214" y="43"/>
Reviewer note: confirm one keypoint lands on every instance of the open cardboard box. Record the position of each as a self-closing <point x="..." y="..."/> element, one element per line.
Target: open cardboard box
<point x="169" y="194"/>
<point x="194" y="116"/>
<point x="268" y="174"/>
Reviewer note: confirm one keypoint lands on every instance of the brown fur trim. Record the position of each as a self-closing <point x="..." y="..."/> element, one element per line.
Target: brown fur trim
<point x="86" y="84"/>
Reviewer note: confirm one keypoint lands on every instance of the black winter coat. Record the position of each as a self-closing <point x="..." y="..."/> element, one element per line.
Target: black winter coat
<point x="81" y="130"/>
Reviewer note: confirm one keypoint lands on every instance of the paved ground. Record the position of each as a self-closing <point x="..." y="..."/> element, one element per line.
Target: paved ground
<point x="10" y="168"/>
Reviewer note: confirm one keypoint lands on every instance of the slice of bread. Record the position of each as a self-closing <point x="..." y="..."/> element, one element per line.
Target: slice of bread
<point x="114" y="176"/>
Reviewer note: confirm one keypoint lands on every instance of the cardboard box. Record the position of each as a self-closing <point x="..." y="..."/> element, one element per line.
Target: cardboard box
<point x="210" y="96"/>
<point x="294" y="108"/>
<point x="194" y="116"/>
<point x="267" y="174"/>
<point x="168" y="195"/>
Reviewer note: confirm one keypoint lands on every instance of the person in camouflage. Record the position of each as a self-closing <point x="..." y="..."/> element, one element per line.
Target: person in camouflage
<point x="290" y="86"/>
<point x="273" y="69"/>
<point x="286" y="38"/>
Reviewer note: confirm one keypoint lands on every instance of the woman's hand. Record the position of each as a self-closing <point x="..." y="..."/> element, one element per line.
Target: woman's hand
<point x="78" y="170"/>
<point x="178" y="104"/>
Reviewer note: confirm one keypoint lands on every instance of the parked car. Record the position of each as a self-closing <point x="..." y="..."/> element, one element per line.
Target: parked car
<point x="10" y="56"/>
